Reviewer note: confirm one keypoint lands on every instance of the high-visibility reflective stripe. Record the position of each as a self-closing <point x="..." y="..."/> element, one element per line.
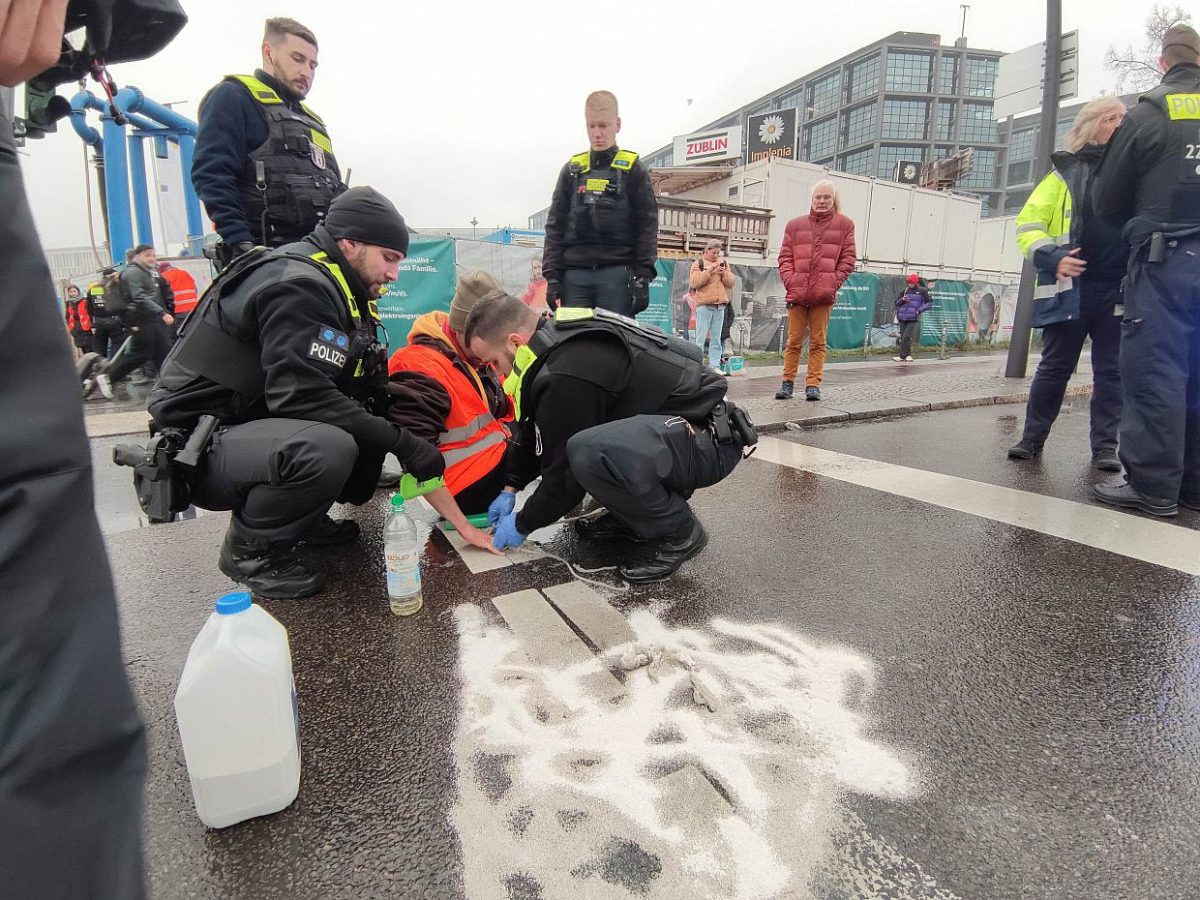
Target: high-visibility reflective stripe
<point x="1046" y="291"/>
<point x="258" y="90"/>
<point x="1037" y="245"/>
<point x="1033" y="226"/>
<point x="468" y="431"/>
<point x="323" y="258"/>
<point x="460" y="453"/>
<point x="583" y="160"/>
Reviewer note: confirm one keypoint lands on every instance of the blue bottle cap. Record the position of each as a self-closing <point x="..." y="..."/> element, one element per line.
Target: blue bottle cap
<point x="233" y="602"/>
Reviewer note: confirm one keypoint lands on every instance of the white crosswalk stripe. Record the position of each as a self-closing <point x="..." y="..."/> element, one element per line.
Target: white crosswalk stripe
<point x="1111" y="530"/>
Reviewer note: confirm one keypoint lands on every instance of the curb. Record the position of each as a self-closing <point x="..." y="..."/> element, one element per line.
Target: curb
<point x="910" y="408"/>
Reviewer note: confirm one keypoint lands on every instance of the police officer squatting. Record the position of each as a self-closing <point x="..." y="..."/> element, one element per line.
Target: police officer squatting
<point x="264" y="163"/>
<point x="282" y="355"/>
<point x="612" y="408"/>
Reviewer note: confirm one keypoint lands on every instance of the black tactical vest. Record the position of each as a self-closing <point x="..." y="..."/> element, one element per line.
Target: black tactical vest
<point x="600" y="211"/>
<point x="99" y="307"/>
<point x="666" y="374"/>
<point x="301" y="173"/>
<point x="1181" y="166"/>
<point x="219" y="342"/>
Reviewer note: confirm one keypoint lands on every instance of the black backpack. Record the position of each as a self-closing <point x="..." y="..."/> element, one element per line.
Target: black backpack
<point x="116" y="296"/>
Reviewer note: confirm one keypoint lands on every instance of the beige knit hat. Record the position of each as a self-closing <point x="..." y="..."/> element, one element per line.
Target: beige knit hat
<point x="470" y="289"/>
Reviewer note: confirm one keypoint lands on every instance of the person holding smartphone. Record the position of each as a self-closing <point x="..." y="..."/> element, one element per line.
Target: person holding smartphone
<point x="710" y="281"/>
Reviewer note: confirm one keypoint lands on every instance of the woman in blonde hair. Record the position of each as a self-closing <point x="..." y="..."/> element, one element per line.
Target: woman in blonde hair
<point x="1080" y="260"/>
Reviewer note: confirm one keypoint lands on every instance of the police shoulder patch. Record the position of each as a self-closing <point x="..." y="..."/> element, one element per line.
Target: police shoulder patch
<point x="329" y="346"/>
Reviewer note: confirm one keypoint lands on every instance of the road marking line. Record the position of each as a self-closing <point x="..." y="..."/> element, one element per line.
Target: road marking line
<point x="1105" y="529"/>
<point x="592" y="614"/>
<point x="547" y="639"/>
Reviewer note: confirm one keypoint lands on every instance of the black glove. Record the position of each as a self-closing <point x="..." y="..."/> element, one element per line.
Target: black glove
<point x="242" y="247"/>
<point x="419" y="457"/>
<point x="639" y="292"/>
<point x="552" y="293"/>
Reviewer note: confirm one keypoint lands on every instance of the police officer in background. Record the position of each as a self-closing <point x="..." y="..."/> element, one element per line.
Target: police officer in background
<point x="602" y="228"/>
<point x="1150" y="179"/>
<point x="613" y="408"/>
<point x="282" y="351"/>
<point x="262" y="156"/>
<point x="108" y="331"/>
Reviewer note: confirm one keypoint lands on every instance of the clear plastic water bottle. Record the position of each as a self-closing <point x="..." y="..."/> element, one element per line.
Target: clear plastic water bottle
<point x="403" y="558"/>
<point x="237" y="715"/>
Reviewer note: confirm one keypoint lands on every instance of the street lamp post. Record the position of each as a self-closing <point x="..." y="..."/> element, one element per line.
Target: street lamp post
<point x="1018" y="348"/>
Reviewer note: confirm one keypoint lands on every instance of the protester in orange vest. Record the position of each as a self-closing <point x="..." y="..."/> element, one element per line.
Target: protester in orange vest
<point x="441" y="394"/>
<point x="79" y="319"/>
<point x="183" y="285"/>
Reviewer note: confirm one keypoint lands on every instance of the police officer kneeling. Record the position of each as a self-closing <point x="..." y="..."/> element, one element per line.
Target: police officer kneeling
<point x="283" y="351"/>
<point x="613" y="408"/>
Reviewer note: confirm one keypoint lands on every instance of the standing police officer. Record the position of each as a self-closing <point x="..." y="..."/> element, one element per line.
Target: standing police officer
<point x="613" y="408"/>
<point x="282" y="351"/>
<point x="264" y="164"/>
<point x="1150" y="176"/>
<point x="602" y="228"/>
<point x="108" y="331"/>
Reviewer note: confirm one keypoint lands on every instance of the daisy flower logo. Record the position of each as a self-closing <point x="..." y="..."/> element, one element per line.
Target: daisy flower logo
<point x="770" y="130"/>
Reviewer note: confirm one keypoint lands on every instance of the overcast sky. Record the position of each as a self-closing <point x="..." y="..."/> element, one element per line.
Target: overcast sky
<point x="468" y="109"/>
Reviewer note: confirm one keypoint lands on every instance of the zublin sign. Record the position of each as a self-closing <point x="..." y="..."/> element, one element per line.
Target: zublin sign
<point x="708" y="146"/>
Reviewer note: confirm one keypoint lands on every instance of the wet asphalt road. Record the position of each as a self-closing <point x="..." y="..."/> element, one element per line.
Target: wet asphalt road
<point x="1044" y="693"/>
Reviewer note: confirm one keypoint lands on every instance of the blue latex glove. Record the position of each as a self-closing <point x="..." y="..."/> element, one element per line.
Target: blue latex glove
<point x="502" y="506"/>
<point x="506" y="533"/>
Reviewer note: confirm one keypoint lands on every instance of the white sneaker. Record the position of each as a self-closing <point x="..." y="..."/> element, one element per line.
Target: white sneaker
<point x="105" y="386"/>
<point x="909" y="359"/>
<point x="897" y="359"/>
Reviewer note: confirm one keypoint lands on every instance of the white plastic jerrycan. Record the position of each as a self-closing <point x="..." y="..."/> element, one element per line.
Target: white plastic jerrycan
<point x="237" y="715"/>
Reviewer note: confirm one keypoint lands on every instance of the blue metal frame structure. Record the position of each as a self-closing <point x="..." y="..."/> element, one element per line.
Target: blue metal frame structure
<point x="125" y="161"/>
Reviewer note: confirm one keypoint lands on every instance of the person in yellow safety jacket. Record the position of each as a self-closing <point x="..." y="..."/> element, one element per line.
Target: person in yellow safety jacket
<point x="442" y="395"/>
<point x="1080" y="259"/>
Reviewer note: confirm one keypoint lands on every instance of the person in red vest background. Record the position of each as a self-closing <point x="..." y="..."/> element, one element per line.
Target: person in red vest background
<point x="79" y="319"/>
<point x="183" y="285"/>
<point x="442" y="395"/>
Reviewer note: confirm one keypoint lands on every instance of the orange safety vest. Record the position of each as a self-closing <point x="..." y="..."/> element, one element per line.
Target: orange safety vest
<point x="472" y="440"/>
<point x="183" y="286"/>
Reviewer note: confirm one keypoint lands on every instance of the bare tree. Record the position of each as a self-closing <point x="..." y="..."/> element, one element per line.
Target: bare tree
<point x="1138" y="69"/>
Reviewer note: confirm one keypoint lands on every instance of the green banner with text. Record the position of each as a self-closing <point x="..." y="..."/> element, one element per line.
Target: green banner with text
<point x="853" y="312"/>
<point x="425" y="283"/>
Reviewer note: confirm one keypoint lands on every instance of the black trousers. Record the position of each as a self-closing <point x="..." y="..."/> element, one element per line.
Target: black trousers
<point x="1160" y="373"/>
<point x="910" y="332"/>
<point x="150" y="345"/>
<point x="1061" y="345"/>
<point x="605" y="287"/>
<point x="72" y="747"/>
<point x="280" y="476"/>
<point x="107" y="336"/>
<point x="644" y="469"/>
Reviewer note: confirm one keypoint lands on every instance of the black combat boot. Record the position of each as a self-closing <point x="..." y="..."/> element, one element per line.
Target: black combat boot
<point x="330" y="533"/>
<point x="672" y="554"/>
<point x="606" y="528"/>
<point x="270" y="570"/>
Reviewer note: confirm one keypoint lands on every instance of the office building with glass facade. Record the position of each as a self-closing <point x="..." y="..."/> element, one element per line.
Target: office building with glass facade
<point x="906" y="97"/>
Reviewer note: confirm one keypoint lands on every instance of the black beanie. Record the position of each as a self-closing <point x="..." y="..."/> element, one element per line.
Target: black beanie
<point x="364" y="214"/>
